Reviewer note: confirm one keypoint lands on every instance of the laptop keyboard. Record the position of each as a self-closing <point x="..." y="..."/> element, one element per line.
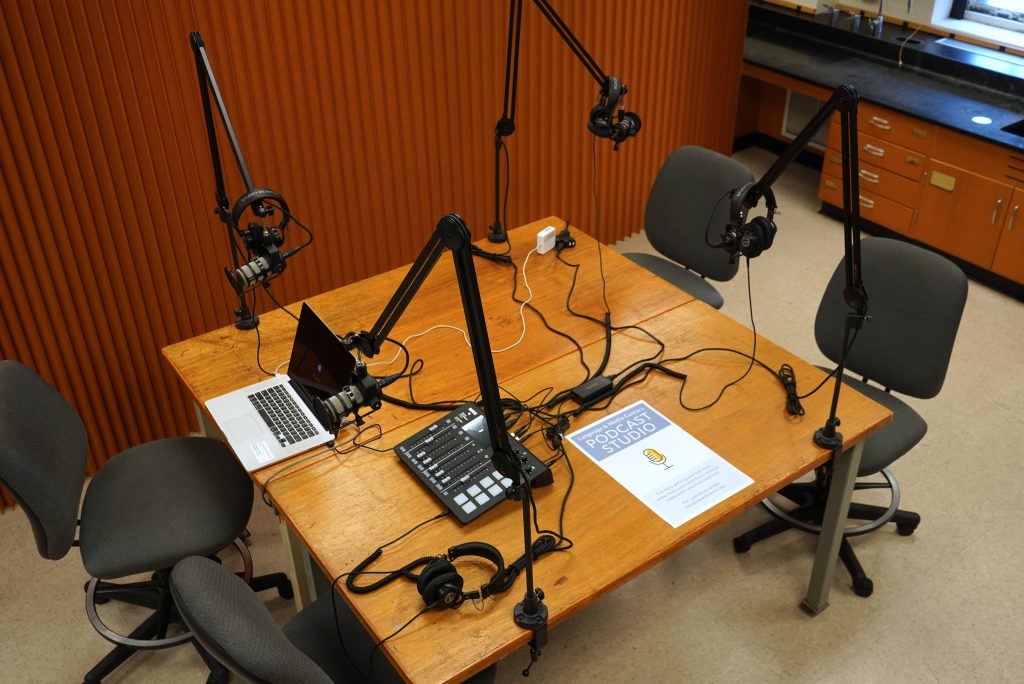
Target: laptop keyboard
<point x="282" y="415"/>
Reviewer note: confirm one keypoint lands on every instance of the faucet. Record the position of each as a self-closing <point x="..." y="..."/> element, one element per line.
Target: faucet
<point x="879" y="20"/>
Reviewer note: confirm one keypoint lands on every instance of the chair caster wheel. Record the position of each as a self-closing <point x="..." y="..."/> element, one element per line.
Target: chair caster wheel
<point x="740" y="545"/>
<point x="863" y="587"/>
<point x="905" y="529"/>
<point x="285" y="590"/>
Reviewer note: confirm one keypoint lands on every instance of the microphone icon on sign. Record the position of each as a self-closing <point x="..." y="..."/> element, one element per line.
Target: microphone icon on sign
<point x="656" y="458"/>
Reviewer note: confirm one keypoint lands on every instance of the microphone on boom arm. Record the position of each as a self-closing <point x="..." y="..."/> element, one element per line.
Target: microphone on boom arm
<point x="260" y="240"/>
<point x="603" y="122"/>
<point x="364" y="391"/>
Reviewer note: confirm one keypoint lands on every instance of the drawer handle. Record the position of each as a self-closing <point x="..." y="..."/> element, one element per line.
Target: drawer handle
<point x="867" y="203"/>
<point x="995" y="210"/>
<point x="831" y="184"/>
<point x="868" y="176"/>
<point x="871" y="149"/>
<point x="879" y="122"/>
<point x="834" y="159"/>
<point x="1013" y="216"/>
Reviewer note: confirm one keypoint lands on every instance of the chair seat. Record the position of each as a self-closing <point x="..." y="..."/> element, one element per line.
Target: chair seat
<point x="681" y="277"/>
<point x="886" y="445"/>
<point x="156" y="503"/>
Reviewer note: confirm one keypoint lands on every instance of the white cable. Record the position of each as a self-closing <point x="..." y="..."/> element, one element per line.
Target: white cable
<point x="522" y="306"/>
<point x="419" y="334"/>
<point x="465" y="335"/>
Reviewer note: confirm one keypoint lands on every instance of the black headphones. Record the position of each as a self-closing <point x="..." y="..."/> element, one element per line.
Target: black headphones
<point x="441" y="584"/>
<point x="256" y="235"/>
<point x="601" y="121"/>
<point x="754" y="237"/>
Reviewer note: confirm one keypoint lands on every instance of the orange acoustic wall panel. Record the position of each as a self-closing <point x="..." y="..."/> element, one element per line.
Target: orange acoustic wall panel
<point x="372" y="119"/>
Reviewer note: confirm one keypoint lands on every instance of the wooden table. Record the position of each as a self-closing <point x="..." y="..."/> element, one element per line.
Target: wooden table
<point x="342" y="508"/>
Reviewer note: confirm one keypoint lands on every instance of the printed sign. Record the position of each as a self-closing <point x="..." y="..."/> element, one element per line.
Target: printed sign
<point x="658" y="462"/>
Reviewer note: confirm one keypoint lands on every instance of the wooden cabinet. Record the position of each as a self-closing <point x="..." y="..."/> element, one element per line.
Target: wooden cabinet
<point x="962" y="213"/>
<point x="955" y="192"/>
<point x="1009" y="259"/>
<point x="892" y="151"/>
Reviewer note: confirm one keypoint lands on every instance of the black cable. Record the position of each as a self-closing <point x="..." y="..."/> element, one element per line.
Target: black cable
<point x="753" y="354"/>
<point x="504" y="206"/>
<point x="388" y="379"/>
<point x="597" y="231"/>
<point x="309" y="233"/>
<point x="266" y="289"/>
<point x="544" y="320"/>
<point x="711" y="217"/>
<point x="336" y="448"/>
<point x="434" y="406"/>
<point x="259" y="340"/>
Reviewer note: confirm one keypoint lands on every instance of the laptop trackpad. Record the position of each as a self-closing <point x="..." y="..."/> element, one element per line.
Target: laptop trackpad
<point x="247" y="430"/>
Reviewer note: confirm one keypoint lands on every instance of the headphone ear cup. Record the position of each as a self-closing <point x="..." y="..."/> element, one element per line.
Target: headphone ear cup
<point x="757" y="236"/>
<point x="440" y="583"/>
<point x="600" y="123"/>
<point x="769" y="231"/>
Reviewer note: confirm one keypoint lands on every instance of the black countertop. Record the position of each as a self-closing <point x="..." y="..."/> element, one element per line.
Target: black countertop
<point x="935" y="84"/>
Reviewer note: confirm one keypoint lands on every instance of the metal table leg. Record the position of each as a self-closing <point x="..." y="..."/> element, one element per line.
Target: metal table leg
<point x="844" y="474"/>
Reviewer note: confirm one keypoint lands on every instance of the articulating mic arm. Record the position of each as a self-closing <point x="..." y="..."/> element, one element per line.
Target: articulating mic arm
<point x="844" y="100"/>
<point x="260" y="240"/>
<point x="602" y="117"/>
<point x="452" y="233"/>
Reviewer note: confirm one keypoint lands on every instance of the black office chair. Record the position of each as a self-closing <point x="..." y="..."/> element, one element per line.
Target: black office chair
<point x="144" y="510"/>
<point x="915" y="301"/>
<point x="687" y="206"/>
<point x="236" y="628"/>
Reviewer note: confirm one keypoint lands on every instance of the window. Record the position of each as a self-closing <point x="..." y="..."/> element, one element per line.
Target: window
<point x="1006" y="14"/>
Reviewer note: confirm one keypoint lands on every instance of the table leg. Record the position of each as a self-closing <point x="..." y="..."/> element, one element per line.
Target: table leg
<point x="844" y="475"/>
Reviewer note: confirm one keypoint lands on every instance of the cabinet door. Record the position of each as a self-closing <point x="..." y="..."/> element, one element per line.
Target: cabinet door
<point x="961" y="213"/>
<point x="1009" y="258"/>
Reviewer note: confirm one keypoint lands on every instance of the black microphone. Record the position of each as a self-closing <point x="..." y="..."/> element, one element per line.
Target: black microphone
<point x="363" y="392"/>
<point x="627" y="126"/>
<point x="259" y="270"/>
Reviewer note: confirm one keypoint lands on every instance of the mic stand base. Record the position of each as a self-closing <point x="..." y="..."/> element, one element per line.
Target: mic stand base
<point x="245" y="319"/>
<point x="828" y="438"/>
<point x="496" y="234"/>
<point x="533" y="617"/>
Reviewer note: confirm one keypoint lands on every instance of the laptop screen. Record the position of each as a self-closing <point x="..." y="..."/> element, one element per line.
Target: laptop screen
<point x="319" y="362"/>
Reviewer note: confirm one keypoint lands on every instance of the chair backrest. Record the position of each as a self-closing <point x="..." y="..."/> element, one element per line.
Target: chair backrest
<point x="688" y="198"/>
<point x="43" y="450"/>
<point x="233" y="625"/>
<point x="915" y="301"/>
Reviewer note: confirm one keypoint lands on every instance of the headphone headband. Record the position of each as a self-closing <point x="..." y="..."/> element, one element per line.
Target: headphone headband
<point x="488" y="552"/>
<point x="257" y="196"/>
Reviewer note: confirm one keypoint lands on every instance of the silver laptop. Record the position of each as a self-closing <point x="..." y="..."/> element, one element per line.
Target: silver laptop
<point x="282" y="416"/>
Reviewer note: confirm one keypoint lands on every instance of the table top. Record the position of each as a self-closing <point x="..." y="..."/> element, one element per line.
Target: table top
<point x="344" y="507"/>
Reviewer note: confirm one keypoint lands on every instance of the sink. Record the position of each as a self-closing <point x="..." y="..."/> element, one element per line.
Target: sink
<point x="1016" y="128"/>
<point x="984" y="57"/>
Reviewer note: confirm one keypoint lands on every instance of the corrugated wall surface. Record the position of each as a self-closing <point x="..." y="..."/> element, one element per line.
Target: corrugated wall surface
<point x="373" y="119"/>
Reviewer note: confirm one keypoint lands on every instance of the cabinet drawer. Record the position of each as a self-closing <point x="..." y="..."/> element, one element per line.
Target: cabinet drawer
<point x="893" y="127"/>
<point x="873" y="207"/>
<point x="887" y="155"/>
<point x="899" y="129"/>
<point x="875" y="179"/>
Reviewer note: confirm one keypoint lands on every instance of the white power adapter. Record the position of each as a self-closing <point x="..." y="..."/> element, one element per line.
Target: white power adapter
<point x="546" y="240"/>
